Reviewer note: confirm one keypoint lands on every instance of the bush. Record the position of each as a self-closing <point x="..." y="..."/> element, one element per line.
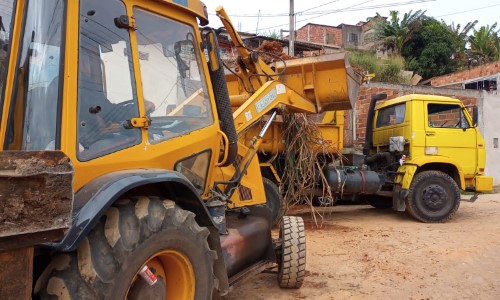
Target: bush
<point x="385" y="70"/>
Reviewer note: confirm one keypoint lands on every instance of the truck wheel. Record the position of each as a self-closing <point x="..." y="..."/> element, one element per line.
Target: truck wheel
<point x="434" y="197"/>
<point x="138" y="232"/>
<point x="292" y="255"/>
<point x="274" y="200"/>
<point x="379" y="202"/>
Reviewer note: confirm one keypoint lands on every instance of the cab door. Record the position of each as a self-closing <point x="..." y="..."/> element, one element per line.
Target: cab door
<point x="450" y="134"/>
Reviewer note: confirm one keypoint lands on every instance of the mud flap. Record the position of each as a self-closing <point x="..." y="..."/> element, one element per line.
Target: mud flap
<point x="398" y="198"/>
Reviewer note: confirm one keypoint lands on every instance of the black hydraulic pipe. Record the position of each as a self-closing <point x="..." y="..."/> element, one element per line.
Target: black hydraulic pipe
<point x="224" y="106"/>
<point x="369" y="122"/>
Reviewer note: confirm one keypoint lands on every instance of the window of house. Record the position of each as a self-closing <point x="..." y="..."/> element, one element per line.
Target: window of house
<point x="353" y="37"/>
<point x="330" y="38"/>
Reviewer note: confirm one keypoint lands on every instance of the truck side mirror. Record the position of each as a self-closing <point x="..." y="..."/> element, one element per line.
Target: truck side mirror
<point x="475" y="116"/>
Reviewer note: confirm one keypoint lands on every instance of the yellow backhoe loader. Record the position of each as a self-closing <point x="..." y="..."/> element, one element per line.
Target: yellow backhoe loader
<point x="121" y="175"/>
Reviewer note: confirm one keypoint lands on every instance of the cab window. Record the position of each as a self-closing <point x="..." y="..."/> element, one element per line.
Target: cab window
<point x="172" y="77"/>
<point x="106" y="89"/>
<point x="446" y="116"/>
<point x="391" y="115"/>
<point x="6" y="17"/>
<point x="35" y="107"/>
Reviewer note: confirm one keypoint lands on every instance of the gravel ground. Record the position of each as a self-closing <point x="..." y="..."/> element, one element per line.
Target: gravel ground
<point x="365" y="253"/>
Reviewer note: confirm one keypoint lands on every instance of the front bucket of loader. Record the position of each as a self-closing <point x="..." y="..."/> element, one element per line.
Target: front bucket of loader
<point x="328" y="80"/>
<point x="36" y="197"/>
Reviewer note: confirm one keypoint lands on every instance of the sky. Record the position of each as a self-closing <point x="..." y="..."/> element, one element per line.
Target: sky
<point x="274" y="13"/>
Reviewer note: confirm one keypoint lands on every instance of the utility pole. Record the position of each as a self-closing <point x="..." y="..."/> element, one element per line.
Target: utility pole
<point x="291" y="33"/>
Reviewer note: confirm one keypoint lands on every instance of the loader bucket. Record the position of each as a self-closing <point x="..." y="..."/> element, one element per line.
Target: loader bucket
<point x="327" y="80"/>
<point x="36" y="196"/>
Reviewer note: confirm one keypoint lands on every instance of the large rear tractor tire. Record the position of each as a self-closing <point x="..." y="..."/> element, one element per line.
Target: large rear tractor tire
<point x="292" y="255"/>
<point x="137" y="232"/>
<point x="274" y="200"/>
<point x="434" y="197"/>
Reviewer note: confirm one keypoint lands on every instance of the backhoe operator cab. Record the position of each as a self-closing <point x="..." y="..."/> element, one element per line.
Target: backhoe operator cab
<point x="124" y="90"/>
<point x="429" y="148"/>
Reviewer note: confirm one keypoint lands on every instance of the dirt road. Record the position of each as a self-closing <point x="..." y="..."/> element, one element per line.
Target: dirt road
<point x="365" y="253"/>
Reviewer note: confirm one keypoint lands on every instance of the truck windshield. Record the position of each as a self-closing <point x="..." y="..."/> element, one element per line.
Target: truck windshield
<point x="446" y="116"/>
<point x="172" y="77"/>
<point x="35" y="106"/>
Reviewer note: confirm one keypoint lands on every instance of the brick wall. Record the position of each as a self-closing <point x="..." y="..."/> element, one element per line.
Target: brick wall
<point x="319" y="34"/>
<point x="472" y="73"/>
<point x="468" y="97"/>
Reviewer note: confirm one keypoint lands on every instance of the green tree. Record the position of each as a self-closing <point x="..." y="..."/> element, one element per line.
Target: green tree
<point x="395" y="33"/>
<point x="430" y="51"/>
<point x="484" y="44"/>
<point x="461" y="37"/>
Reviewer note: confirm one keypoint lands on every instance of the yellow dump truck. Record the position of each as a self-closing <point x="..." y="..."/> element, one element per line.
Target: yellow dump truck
<point x="420" y="151"/>
<point x="427" y="148"/>
<point x="121" y="174"/>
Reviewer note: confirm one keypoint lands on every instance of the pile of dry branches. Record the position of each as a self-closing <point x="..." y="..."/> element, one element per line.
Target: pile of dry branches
<point x="303" y="171"/>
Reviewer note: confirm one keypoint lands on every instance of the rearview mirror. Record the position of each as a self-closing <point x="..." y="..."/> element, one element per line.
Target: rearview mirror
<point x="475" y="116"/>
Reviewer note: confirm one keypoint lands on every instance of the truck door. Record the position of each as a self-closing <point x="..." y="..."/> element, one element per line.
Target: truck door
<point x="449" y="133"/>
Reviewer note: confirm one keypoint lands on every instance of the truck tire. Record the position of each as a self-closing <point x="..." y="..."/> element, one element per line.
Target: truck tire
<point x="292" y="255"/>
<point x="434" y="197"/>
<point x="274" y="200"/>
<point x="379" y="202"/>
<point x="134" y="233"/>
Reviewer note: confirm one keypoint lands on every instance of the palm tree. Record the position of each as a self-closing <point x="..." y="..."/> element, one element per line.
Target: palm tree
<point x="461" y="37"/>
<point x="484" y="44"/>
<point x="394" y="34"/>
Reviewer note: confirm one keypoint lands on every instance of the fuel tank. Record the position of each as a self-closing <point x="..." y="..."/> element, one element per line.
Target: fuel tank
<point x="349" y="180"/>
<point x="248" y="241"/>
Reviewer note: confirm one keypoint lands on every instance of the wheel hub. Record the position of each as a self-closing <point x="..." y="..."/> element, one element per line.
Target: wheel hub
<point x="434" y="197"/>
<point x="174" y="274"/>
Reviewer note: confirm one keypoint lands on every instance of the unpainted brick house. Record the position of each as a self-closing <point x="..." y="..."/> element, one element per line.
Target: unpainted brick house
<point x="344" y="36"/>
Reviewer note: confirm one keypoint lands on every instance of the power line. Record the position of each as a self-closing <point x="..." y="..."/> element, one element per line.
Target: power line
<point x="465" y="11"/>
<point x="278" y="14"/>
<point x="354" y="8"/>
<point x="324" y="4"/>
<point x="339" y="10"/>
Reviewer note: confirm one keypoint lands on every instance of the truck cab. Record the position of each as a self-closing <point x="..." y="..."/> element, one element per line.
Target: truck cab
<point x="433" y="139"/>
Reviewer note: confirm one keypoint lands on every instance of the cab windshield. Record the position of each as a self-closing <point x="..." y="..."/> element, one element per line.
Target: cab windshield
<point x="172" y="77"/>
<point x="6" y="17"/>
<point x="35" y="105"/>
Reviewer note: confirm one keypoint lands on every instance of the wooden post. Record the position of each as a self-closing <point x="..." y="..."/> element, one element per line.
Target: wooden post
<point x="16" y="268"/>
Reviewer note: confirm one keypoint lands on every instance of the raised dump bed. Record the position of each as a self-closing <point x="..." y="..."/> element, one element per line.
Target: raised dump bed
<point x="327" y="80"/>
